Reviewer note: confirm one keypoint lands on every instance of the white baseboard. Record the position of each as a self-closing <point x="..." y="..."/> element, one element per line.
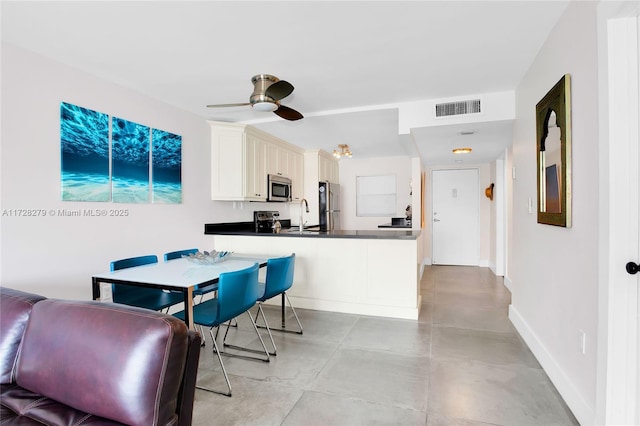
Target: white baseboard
<point x="351" y="307"/>
<point x="483" y="263"/>
<point x="426" y="261"/>
<point x="508" y="283"/>
<point x="578" y="406"/>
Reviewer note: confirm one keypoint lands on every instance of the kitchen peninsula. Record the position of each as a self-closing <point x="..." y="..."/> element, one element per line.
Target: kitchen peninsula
<point x="359" y="272"/>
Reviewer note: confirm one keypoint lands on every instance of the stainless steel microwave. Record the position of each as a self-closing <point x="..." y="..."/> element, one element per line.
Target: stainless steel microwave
<point x="279" y="188"/>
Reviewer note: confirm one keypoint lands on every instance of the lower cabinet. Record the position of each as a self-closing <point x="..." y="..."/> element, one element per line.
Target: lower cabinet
<point x="351" y="275"/>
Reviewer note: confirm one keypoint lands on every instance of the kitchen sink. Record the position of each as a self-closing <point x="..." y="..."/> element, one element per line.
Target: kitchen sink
<point x="297" y="231"/>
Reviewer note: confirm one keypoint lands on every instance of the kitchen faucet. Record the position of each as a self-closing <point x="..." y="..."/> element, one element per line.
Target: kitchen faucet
<point x="301" y="224"/>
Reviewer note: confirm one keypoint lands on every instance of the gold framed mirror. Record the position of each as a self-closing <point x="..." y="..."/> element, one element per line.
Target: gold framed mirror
<point x="553" y="132"/>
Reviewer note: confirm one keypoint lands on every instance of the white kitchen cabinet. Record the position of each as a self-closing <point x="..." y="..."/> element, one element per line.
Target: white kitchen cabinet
<point x="238" y="163"/>
<point x="242" y="157"/>
<point x="227" y="159"/>
<point x="255" y="167"/>
<point x="284" y="159"/>
<point x="278" y="159"/>
<point x="296" y="173"/>
<point x="327" y="167"/>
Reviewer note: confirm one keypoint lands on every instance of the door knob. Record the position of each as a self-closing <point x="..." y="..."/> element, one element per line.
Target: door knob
<point x="436" y="220"/>
<point x="633" y="268"/>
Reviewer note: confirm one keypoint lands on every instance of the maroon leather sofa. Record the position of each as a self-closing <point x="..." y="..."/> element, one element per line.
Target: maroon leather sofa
<point x="68" y="362"/>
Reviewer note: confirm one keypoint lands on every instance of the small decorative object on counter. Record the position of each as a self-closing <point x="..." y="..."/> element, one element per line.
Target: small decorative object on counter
<point x="277" y="226"/>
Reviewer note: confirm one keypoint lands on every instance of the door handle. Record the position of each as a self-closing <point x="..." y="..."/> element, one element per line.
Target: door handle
<point x="436" y="220"/>
<point x="633" y="268"/>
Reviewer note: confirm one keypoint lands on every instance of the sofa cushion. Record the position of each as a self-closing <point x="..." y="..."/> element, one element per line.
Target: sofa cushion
<point x="109" y="360"/>
<point x="22" y="407"/>
<point x="15" y="307"/>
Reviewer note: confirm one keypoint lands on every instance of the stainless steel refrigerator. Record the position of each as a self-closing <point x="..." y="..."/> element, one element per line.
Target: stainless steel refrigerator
<point x="329" y="198"/>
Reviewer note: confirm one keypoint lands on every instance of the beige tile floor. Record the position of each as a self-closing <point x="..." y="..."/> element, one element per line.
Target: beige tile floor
<point x="461" y="363"/>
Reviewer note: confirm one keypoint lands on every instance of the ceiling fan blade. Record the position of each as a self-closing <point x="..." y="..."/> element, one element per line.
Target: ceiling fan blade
<point x="279" y="90"/>
<point x="228" y="105"/>
<point x="288" y="113"/>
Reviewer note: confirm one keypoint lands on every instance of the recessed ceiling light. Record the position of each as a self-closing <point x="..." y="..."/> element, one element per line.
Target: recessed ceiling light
<point x="462" y="150"/>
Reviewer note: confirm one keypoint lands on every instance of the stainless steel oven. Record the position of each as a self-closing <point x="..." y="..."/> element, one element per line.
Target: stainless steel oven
<point x="279" y="188"/>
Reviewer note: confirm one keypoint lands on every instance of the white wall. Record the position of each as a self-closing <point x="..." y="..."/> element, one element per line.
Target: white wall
<point x="553" y="271"/>
<point x="56" y="256"/>
<point x="351" y="168"/>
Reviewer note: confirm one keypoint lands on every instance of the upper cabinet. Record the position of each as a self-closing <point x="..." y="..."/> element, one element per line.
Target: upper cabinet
<point x="296" y="173"/>
<point x="327" y="167"/>
<point x="227" y="177"/>
<point x="242" y="157"/>
<point x="255" y="163"/>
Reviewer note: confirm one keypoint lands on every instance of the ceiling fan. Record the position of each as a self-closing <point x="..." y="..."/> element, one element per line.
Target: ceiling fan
<point x="268" y="90"/>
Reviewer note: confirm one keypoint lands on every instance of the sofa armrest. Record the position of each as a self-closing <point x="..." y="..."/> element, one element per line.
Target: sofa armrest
<point x="15" y="308"/>
<point x="188" y="387"/>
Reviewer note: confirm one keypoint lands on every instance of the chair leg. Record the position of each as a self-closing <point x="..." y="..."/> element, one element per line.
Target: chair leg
<point x="264" y="318"/>
<point x="232" y="323"/>
<point x="259" y="336"/>
<point x="294" y="312"/>
<point x="202" y="334"/>
<point x="224" y="370"/>
<point x="283" y="329"/>
<point x="241" y="348"/>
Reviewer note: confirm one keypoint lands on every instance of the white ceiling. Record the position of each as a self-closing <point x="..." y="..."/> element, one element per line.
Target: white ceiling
<point x="351" y="63"/>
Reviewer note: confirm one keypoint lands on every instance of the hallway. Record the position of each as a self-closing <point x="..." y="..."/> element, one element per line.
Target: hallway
<point x="461" y="363"/>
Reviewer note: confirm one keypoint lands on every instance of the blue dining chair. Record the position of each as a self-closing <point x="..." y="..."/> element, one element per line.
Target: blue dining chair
<point x="198" y="291"/>
<point x="177" y="255"/>
<point x="237" y="293"/>
<point x="279" y="279"/>
<point x="143" y="297"/>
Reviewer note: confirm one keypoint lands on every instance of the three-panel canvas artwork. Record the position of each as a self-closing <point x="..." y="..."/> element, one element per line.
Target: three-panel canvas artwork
<point x="112" y="159"/>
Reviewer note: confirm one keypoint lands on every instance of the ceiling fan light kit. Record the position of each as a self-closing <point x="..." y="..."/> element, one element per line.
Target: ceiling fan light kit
<point x="268" y="90"/>
<point x="265" y="106"/>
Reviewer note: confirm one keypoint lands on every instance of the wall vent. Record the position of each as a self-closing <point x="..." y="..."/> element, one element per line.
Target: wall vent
<point x="458" y="108"/>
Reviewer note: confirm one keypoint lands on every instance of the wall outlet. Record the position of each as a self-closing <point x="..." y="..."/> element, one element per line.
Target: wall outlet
<point x="583" y="342"/>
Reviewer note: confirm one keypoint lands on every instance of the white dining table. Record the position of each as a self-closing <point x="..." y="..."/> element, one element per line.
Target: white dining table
<point x="181" y="275"/>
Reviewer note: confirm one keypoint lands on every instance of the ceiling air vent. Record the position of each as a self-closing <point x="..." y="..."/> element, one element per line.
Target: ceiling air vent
<point x="458" y="108"/>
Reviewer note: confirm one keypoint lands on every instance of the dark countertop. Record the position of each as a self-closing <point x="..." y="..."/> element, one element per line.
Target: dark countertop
<point x="390" y="225"/>
<point x="247" y="229"/>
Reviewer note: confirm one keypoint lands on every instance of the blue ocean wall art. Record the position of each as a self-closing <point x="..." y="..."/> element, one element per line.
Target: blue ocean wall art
<point x="129" y="161"/>
<point x="166" y="167"/>
<point x="84" y="145"/>
<point x="91" y="171"/>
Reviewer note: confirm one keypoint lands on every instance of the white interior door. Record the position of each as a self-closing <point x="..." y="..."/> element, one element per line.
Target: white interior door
<point x="620" y="383"/>
<point x="455" y="219"/>
<point x="636" y="217"/>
